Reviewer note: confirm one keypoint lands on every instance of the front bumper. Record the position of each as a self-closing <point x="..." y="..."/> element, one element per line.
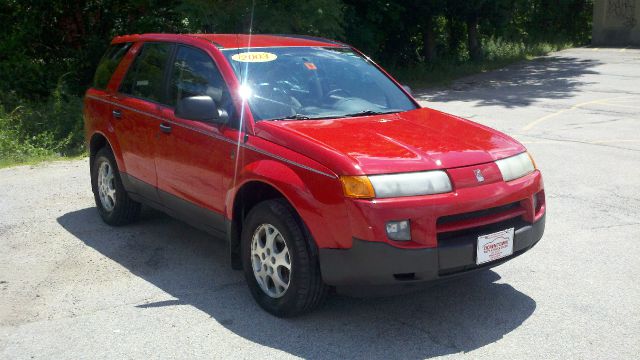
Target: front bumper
<point x="378" y="263"/>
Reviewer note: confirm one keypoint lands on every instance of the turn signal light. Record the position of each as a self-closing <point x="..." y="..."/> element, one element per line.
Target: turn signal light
<point x="533" y="161"/>
<point x="357" y="187"/>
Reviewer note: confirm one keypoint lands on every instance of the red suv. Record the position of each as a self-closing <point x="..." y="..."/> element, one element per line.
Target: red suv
<point x="318" y="167"/>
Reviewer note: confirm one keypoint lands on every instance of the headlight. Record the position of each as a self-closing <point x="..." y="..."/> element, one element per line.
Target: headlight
<point x="395" y="185"/>
<point x="516" y="167"/>
<point x="410" y="184"/>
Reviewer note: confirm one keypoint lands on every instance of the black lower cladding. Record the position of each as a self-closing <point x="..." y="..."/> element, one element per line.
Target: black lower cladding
<point x="376" y="263"/>
<point x="197" y="216"/>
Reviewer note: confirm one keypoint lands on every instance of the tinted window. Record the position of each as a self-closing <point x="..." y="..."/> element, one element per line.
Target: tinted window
<point x="145" y="76"/>
<point x="194" y="73"/>
<point x="108" y="64"/>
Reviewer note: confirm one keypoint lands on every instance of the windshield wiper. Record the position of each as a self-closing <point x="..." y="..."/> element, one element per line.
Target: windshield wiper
<point x="294" y="117"/>
<point x="369" y="112"/>
<point x="307" y="117"/>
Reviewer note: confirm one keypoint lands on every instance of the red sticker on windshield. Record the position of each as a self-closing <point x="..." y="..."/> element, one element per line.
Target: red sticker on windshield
<point x="310" y="66"/>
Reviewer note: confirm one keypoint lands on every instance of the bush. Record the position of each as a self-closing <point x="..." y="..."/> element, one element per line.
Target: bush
<point x="40" y="129"/>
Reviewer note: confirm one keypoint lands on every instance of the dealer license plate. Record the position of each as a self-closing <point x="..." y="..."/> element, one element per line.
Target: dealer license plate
<point x="494" y="246"/>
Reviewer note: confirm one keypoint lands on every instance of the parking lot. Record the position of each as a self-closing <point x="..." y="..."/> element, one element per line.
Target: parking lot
<point x="72" y="287"/>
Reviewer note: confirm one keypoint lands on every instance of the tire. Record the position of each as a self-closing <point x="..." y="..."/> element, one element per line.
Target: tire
<point x="305" y="290"/>
<point x="116" y="208"/>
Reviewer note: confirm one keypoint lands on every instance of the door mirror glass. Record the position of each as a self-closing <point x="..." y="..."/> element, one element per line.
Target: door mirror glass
<point x="200" y="108"/>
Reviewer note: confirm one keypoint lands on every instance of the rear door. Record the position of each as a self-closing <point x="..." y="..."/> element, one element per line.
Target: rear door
<point x="137" y="115"/>
<point x="98" y="98"/>
<point x="192" y="155"/>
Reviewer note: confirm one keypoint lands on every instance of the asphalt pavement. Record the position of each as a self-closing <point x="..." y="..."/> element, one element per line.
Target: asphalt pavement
<point x="72" y="287"/>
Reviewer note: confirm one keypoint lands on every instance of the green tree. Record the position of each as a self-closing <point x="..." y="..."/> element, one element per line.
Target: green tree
<point x="314" y="17"/>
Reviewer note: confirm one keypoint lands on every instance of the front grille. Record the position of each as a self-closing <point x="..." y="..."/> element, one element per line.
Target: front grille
<point x="483" y="217"/>
<point x="477" y="214"/>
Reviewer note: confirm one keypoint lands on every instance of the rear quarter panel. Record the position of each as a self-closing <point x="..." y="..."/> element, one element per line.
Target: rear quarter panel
<point x="97" y="120"/>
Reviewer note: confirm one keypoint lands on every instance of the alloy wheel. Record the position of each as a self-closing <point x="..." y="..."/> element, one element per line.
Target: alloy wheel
<point x="270" y="260"/>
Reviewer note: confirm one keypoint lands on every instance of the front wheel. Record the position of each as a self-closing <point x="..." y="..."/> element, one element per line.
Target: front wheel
<point x="280" y="267"/>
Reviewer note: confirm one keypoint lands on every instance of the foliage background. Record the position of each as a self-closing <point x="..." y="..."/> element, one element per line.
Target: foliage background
<point x="49" y="48"/>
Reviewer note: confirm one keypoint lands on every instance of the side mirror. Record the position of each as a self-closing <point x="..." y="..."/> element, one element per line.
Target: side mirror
<point x="407" y="89"/>
<point x="200" y="108"/>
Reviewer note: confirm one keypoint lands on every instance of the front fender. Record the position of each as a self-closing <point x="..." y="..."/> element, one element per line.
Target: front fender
<point x="317" y="198"/>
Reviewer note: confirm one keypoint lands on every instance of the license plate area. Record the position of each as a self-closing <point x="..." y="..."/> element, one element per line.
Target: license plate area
<point x="494" y="246"/>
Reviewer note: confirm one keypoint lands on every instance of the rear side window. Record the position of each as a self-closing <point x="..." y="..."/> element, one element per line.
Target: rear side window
<point x="145" y="76"/>
<point x="108" y="64"/>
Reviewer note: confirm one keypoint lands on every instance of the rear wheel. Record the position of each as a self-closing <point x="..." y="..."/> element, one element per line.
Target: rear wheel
<point x="113" y="203"/>
<point x="280" y="267"/>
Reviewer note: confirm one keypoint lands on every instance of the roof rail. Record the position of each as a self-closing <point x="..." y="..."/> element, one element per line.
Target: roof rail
<point x="309" y="37"/>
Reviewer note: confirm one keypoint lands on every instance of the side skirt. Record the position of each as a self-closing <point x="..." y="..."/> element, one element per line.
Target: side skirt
<point x="194" y="215"/>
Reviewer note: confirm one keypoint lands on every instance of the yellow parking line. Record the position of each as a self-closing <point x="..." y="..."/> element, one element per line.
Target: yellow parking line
<point x="623" y="100"/>
<point x="595" y="49"/>
<point x="620" y="105"/>
<point x="539" y="142"/>
<point x="546" y="117"/>
<point x="530" y="125"/>
<point x="623" y="49"/>
<point x="614" y="141"/>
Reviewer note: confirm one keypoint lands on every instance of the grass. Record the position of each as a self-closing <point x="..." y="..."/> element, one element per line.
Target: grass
<point x="38" y="159"/>
<point x="497" y="54"/>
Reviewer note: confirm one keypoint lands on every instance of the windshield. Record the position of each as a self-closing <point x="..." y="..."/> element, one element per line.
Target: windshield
<point x="313" y="82"/>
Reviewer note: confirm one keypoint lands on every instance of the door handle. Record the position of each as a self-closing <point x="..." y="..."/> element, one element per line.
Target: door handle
<point x="117" y="114"/>
<point x="165" y="128"/>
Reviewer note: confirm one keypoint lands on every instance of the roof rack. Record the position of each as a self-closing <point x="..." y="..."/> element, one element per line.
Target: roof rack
<point x="309" y="37"/>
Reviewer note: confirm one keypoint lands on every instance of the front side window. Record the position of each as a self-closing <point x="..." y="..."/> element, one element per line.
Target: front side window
<point x="108" y="64"/>
<point x="195" y="74"/>
<point x="145" y="76"/>
<point x="313" y="82"/>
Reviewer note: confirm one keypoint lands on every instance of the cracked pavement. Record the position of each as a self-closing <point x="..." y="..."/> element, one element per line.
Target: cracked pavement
<point x="72" y="287"/>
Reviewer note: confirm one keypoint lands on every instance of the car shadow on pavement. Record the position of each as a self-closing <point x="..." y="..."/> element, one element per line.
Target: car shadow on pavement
<point x="518" y="85"/>
<point x="193" y="268"/>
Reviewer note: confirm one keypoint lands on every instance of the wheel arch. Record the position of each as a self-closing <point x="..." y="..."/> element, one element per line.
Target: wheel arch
<point x="248" y="195"/>
<point x="98" y="141"/>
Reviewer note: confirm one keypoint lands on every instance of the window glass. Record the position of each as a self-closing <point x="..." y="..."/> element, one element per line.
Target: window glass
<point x="313" y="83"/>
<point x="108" y="64"/>
<point x="195" y="74"/>
<point x="145" y="76"/>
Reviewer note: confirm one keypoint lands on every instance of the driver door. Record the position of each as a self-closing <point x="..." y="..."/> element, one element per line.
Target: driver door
<point x="192" y="156"/>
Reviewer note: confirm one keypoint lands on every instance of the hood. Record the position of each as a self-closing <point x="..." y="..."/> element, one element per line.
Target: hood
<point x="416" y="140"/>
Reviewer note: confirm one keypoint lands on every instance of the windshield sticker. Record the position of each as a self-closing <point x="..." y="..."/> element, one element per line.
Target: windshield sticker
<point x="310" y="66"/>
<point x="254" y="57"/>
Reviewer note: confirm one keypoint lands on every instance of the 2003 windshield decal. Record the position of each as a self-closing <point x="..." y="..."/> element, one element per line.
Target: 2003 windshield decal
<point x="254" y="57"/>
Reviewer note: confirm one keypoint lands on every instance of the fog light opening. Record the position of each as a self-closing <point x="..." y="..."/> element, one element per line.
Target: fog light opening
<point x="399" y="230"/>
